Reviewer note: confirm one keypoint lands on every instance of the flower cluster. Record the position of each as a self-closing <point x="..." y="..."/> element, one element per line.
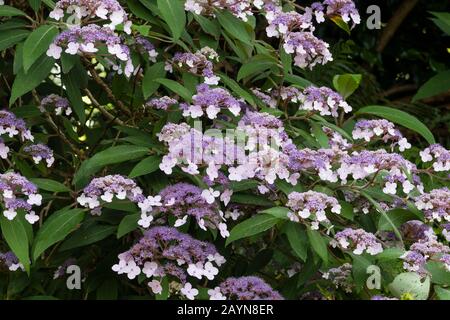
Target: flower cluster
<point x="145" y="46"/>
<point x="18" y="193"/>
<point x="341" y="277"/>
<point x="357" y="240"/>
<point x="446" y="231"/>
<point x="365" y="163"/>
<point x="367" y="129"/>
<point x="309" y="50"/>
<point x="239" y="8"/>
<point x="336" y="140"/>
<point x="439" y="154"/>
<point x="10" y="260"/>
<point x="198" y="63"/>
<point x="106" y="188"/>
<point x="210" y="101"/>
<point x="13" y="126"/>
<point x="311" y="205"/>
<point x="183" y="200"/>
<point x="244" y="288"/>
<point x="343" y="8"/>
<point x="83" y="10"/>
<point x="435" y="204"/>
<point x="421" y="252"/>
<point x="55" y="103"/>
<point x="164" y="251"/>
<point x="282" y="23"/>
<point x="415" y="230"/>
<point x="162" y="103"/>
<point x="323" y="100"/>
<point x="40" y="152"/>
<point x="90" y="39"/>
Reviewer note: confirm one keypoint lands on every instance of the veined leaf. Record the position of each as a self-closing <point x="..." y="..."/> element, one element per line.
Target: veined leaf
<point x="172" y="11"/>
<point x="37" y="43"/>
<point x="252" y="226"/>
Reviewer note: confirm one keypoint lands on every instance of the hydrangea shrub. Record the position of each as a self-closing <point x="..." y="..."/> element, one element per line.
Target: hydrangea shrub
<point x="175" y="149"/>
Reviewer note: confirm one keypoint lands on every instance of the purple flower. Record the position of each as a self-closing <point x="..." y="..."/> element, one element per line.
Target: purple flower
<point x="357" y="240"/>
<point x="13" y="126"/>
<point x="244" y="288"/>
<point x="421" y="252"/>
<point x="435" y="204"/>
<point x="40" y="152"/>
<point x="162" y="103"/>
<point x="311" y="205"/>
<point x="341" y="277"/>
<point x="439" y="154"/>
<point x="106" y="188"/>
<point x="164" y="251"/>
<point x="17" y="192"/>
<point x="57" y="104"/>
<point x="309" y="50"/>
<point x="10" y="260"/>
<point x="198" y="63"/>
<point x="323" y="100"/>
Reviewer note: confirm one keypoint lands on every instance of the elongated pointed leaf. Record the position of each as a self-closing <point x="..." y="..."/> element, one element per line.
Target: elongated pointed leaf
<point x="37" y="43"/>
<point x="173" y="13"/>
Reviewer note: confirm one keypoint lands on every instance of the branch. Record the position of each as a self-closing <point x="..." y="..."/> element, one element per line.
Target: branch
<point x="105" y="112"/>
<point x="394" y="23"/>
<point x="105" y="87"/>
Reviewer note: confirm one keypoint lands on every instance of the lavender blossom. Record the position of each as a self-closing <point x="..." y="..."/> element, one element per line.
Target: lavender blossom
<point x="10" y="260"/>
<point x="344" y="8"/>
<point x="85" y="10"/>
<point x="13" y="126"/>
<point x="435" y="204"/>
<point x="162" y="103"/>
<point x="311" y="205"/>
<point x="336" y="140"/>
<point x="183" y="200"/>
<point x="55" y="103"/>
<point x="439" y="154"/>
<point x="164" y="251"/>
<point x="244" y="288"/>
<point x="323" y="100"/>
<point x="198" y="63"/>
<point x="40" y="152"/>
<point x="358" y="241"/>
<point x="4" y="149"/>
<point x="87" y="40"/>
<point x="385" y="130"/>
<point x="210" y="101"/>
<point x="416" y="230"/>
<point x="16" y="192"/>
<point x="309" y="50"/>
<point x="106" y="188"/>
<point x="421" y="252"/>
<point x="341" y="277"/>
<point x="239" y="8"/>
<point x="147" y="47"/>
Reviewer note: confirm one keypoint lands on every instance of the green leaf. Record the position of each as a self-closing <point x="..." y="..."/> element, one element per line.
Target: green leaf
<point x="346" y="84"/>
<point x="35" y="4"/>
<point x="410" y="283"/>
<point x="26" y="82"/>
<point x="176" y="87"/>
<point x="37" y="43"/>
<point x="72" y="84"/>
<point x="341" y="23"/>
<point x="397" y="217"/>
<point x="237" y="89"/>
<point x="439" y="274"/>
<point x="256" y="65"/>
<point x="50" y="185"/>
<point x="440" y="83"/>
<point x="390" y="254"/>
<point x="359" y="270"/>
<point x="146" y="166"/>
<point x="401" y="118"/>
<point x="320" y="136"/>
<point x="207" y="25"/>
<point x="251" y="199"/>
<point x="235" y="27"/>
<point x="109" y="156"/>
<point x="298" y="81"/>
<point x="88" y="235"/>
<point x="442" y="21"/>
<point x="277" y="212"/>
<point x="318" y="244"/>
<point x="128" y="224"/>
<point x="8" y="11"/>
<point x="250" y="227"/>
<point x="443" y="294"/>
<point x="16" y="237"/>
<point x="172" y="11"/>
<point x="149" y="85"/>
<point x="55" y="228"/>
<point x="9" y="38"/>
<point x="298" y="239"/>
